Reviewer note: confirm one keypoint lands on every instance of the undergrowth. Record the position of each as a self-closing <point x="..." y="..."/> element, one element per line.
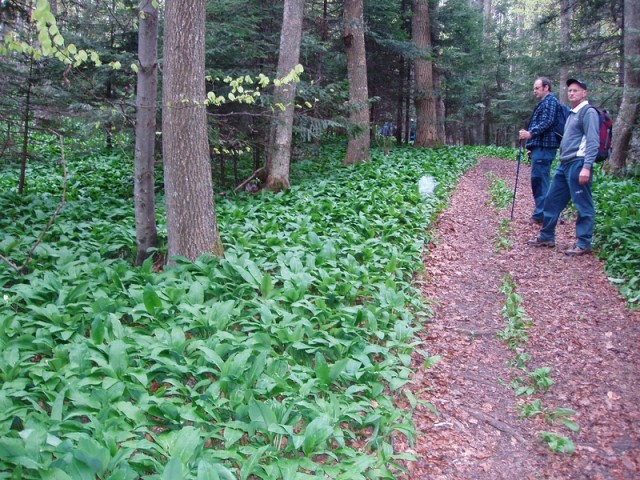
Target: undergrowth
<point x="284" y="359"/>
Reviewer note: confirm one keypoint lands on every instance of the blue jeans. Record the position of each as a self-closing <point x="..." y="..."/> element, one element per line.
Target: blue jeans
<point x="541" y="160"/>
<point x="565" y="187"/>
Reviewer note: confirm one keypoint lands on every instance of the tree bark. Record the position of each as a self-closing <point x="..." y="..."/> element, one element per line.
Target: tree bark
<point x="353" y="37"/>
<point x="629" y="109"/>
<point x="565" y="46"/>
<point x="426" y="119"/>
<point x="284" y="97"/>
<point x="146" y="94"/>
<point x="191" y="221"/>
<point x="25" y="133"/>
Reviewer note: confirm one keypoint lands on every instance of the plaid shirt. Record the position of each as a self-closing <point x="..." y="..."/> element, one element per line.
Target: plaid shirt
<point x="541" y="125"/>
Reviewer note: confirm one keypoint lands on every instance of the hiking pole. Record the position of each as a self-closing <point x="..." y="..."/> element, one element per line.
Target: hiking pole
<point x="515" y="186"/>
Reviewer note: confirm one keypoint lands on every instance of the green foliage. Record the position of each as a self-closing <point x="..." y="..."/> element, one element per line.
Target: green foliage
<point x="280" y="360"/>
<point x="617" y="232"/>
<point x="516" y="321"/>
<point x="500" y="195"/>
<point x="557" y="443"/>
<point x="502" y="241"/>
<point x="562" y="415"/>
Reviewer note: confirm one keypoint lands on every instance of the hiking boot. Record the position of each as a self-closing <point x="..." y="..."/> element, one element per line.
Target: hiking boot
<point x="577" y="251"/>
<point x="535" y="221"/>
<point x="536" y="242"/>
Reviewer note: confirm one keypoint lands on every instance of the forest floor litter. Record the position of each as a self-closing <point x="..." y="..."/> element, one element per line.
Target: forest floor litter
<point x="580" y="329"/>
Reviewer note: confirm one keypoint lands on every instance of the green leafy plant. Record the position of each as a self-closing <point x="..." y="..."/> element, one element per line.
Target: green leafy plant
<point x="531" y="409"/>
<point x="502" y="241"/>
<point x="562" y="415"/>
<point x="516" y="322"/>
<point x="500" y="196"/>
<point x="520" y="360"/>
<point x="617" y="237"/>
<point x="557" y="443"/>
<point x="541" y="379"/>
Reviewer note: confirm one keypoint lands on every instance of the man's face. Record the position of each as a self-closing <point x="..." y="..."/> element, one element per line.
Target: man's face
<point x="539" y="91"/>
<point x="576" y="94"/>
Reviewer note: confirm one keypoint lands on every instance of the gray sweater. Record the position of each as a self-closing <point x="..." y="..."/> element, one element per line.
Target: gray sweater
<point x="581" y="140"/>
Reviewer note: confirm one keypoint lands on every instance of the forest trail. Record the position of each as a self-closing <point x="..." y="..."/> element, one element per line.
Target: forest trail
<point x="580" y="329"/>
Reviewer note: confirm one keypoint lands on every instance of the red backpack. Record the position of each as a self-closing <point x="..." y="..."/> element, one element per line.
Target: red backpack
<point x="605" y="129"/>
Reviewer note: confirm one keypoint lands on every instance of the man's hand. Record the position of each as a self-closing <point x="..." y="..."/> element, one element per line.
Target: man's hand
<point x="524" y="135"/>
<point x="585" y="175"/>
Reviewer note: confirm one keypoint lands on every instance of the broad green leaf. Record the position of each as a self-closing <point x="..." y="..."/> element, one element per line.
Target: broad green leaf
<point x="206" y="471"/>
<point x="261" y="413"/>
<point x="196" y="294"/>
<point x="184" y="443"/>
<point x="54" y="474"/>
<point x="118" y="357"/>
<point x="431" y="361"/>
<point x="173" y="470"/>
<point x="93" y="455"/>
<point x="231" y="436"/>
<point x="58" y="405"/>
<point x="266" y="285"/>
<point x="151" y="300"/>
<point x="316" y="435"/>
<point x="249" y="467"/>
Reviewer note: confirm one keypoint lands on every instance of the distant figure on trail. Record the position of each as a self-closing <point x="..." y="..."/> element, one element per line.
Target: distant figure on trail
<point x="387" y="131"/>
<point x="572" y="179"/>
<point x="542" y="143"/>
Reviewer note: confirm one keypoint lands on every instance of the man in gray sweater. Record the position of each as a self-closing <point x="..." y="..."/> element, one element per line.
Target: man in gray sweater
<point x="572" y="179"/>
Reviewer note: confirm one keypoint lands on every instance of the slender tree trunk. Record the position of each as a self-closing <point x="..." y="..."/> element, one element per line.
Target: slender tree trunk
<point x="426" y="118"/>
<point x="408" y="121"/>
<point x="353" y="37"/>
<point x="25" y="134"/>
<point x="191" y="221"/>
<point x="284" y="97"/>
<point x="440" y="107"/>
<point x="144" y="195"/>
<point x="482" y="129"/>
<point x="400" y="101"/>
<point x="627" y="118"/>
<point x="565" y="48"/>
<point x="437" y="82"/>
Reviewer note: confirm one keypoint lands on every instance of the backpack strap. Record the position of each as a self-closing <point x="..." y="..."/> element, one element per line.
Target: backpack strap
<point x="582" y="113"/>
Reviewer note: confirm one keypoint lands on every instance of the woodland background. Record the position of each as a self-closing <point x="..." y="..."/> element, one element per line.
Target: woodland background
<point x="453" y="72"/>
<point x="161" y="320"/>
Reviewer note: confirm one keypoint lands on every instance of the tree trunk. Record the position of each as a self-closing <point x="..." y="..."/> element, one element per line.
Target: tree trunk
<point x="353" y="37"/>
<point x="400" y="101"/>
<point x="144" y="195"/>
<point x="426" y="119"/>
<point x="628" y="115"/>
<point x="25" y="134"/>
<point x="284" y="97"/>
<point x="565" y="46"/>
<point x="191" y="221"/>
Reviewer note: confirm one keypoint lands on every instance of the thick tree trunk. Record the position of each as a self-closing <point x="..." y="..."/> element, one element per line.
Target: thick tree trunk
<point x="627" y="118"/>
<point x="284" y="97"/>
<point x="425" y="102"/>
<point x="353" y="37"/>
<point x="146" y="94"/>
<point x="191" y="219"/>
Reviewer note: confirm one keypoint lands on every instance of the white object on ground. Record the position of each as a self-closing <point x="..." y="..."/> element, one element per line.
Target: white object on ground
<point x="426" y="185"/>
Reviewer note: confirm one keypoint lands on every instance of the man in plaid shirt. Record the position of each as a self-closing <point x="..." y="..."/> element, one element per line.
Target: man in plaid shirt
<point x="542" y="143"/>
